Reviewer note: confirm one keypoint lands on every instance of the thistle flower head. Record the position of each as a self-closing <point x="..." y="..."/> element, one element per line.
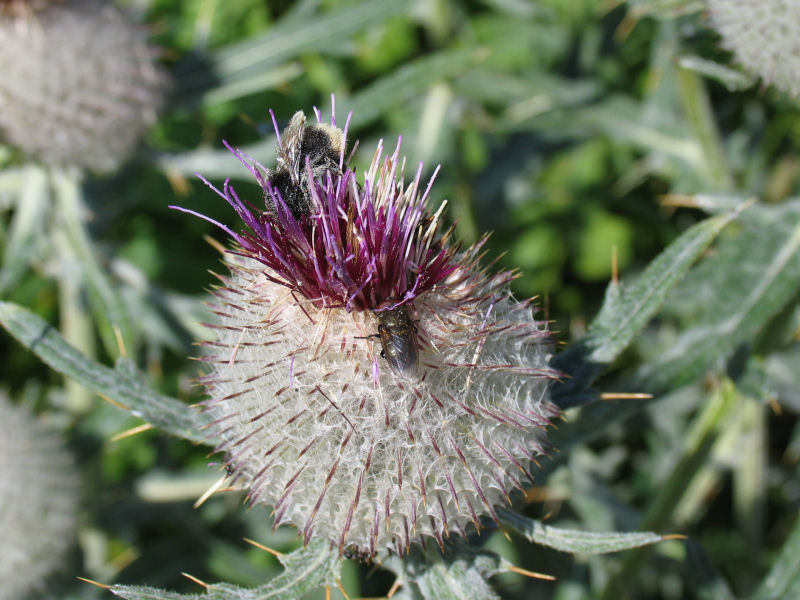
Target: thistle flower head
<point x="370" y="246"/>
<point x="310" y="417"/>
<point x="764" y="35"/>
<point x="80" y="84"/>
<point x="38" y="502"/>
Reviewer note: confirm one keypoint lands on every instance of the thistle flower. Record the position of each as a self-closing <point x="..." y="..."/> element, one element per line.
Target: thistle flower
<point x="764" y="35"/>
<point x="80" y="84"/>
<point x="314" y="421"/>
<point x="38" y="502"/>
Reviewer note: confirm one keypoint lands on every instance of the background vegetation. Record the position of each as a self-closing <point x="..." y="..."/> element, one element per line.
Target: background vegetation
<point x="587" y="136"/>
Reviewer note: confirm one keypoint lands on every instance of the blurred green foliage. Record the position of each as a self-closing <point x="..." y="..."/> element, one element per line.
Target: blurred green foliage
<point x="561" y="126"/>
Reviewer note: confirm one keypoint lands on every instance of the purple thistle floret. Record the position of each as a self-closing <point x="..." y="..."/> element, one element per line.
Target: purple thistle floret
<point x="363" y="247"/>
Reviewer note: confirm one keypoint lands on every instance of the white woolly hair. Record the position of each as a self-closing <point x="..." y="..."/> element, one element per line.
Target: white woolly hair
<point x="38" y="502"/>
<point x="315" y="423"/>
<point x="764" y="35"/>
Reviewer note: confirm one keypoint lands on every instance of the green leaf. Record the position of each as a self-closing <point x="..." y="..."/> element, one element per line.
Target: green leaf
<point x="624" y="120"/>
<point x="217" y="163"/>
<point x="254" y="83"/>
<point x="306" y="570"/>
<point x="498" y="87"/>
<point x="457" y="580"/>
<point x="707" y="582"/>
<point x="290" y="39"/>
<point x="713" y="418"/>
<point x="136" y="592"/>
<point x="460" y="573"/>
<point x="731" y="295"/>
<point x="783" y="580"/>
<point x="409" y="82"/>
<point x="27" y="226"/>
<point x="401" y="86"/>
<point x="627" y="310"/>
<point x="731" y="78"/>
<point x="108" y="310"/>
<point x="123" y="385"/>
<point x="568" y="540"/>
<point x="714" y="203"/>
<point x="711" y="421"/>
<point x="700" y="118"/>
<point x="664" y="9"/>
<point x="253" y="64"/>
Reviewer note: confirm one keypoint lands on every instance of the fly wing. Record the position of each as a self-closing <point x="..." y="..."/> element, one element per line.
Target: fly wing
<point x="401" y="353"/>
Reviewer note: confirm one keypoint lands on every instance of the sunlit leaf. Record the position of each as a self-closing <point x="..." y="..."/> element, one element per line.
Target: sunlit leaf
<point x="259" y="63"/>
<point x="733" y="79"/>
<point x="305" y="570"/>
<point x="568" y="540"/>
<point x="26" y="227"/>
<point x="497" y="87"/>
<point x="109" y="312"/>
<point x="395" y="89"/>
<point x="783" y="579"/>
<point x="409" y="82"/>
<point x="122" y="385"/>
<point x="732" y="294"/>
<point x="628" y="308"/>
<point x="664" y="9"/>
<point x="460" y="573"/>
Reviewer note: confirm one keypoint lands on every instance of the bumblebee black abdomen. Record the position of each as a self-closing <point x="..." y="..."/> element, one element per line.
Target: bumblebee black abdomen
<point x="292" y="193"/>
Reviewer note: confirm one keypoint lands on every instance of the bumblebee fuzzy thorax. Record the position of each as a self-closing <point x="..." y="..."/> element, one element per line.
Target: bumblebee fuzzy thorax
<point x="306" y="152"/>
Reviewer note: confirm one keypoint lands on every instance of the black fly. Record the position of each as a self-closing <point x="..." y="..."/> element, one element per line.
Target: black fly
<point x="398" y="336"/>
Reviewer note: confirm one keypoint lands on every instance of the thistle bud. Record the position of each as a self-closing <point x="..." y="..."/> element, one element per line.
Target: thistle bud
<point x="38" y="502"/>
<point x="80" y="85"/>
<point x="763" y="36"/>
<point x="368" y="379"/>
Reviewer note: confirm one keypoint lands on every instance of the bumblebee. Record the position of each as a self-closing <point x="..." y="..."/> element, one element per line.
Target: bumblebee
<point x="319" y="144"/>
<point x="398" y="336"/>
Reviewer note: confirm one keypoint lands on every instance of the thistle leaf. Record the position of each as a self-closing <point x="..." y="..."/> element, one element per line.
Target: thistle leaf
<point x="569" y="540"/>
<point x="733" y="79"/>
<point x="460" y="573"/>
<point x="626" y="311"/>
<point x="401" y="86"/>
<point x="120" y="385"/>
<point x="310" y="34"/>
<point x="487" y="85"/>
<point x="783" y="580"/>
<point x="306" y="570"/>
<point x="108" y="310"/>
<point x="26" y="226"/>
<point x="263" y="62"/>
<point x="409" y="82"/>
<point x="731" y="295"/>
